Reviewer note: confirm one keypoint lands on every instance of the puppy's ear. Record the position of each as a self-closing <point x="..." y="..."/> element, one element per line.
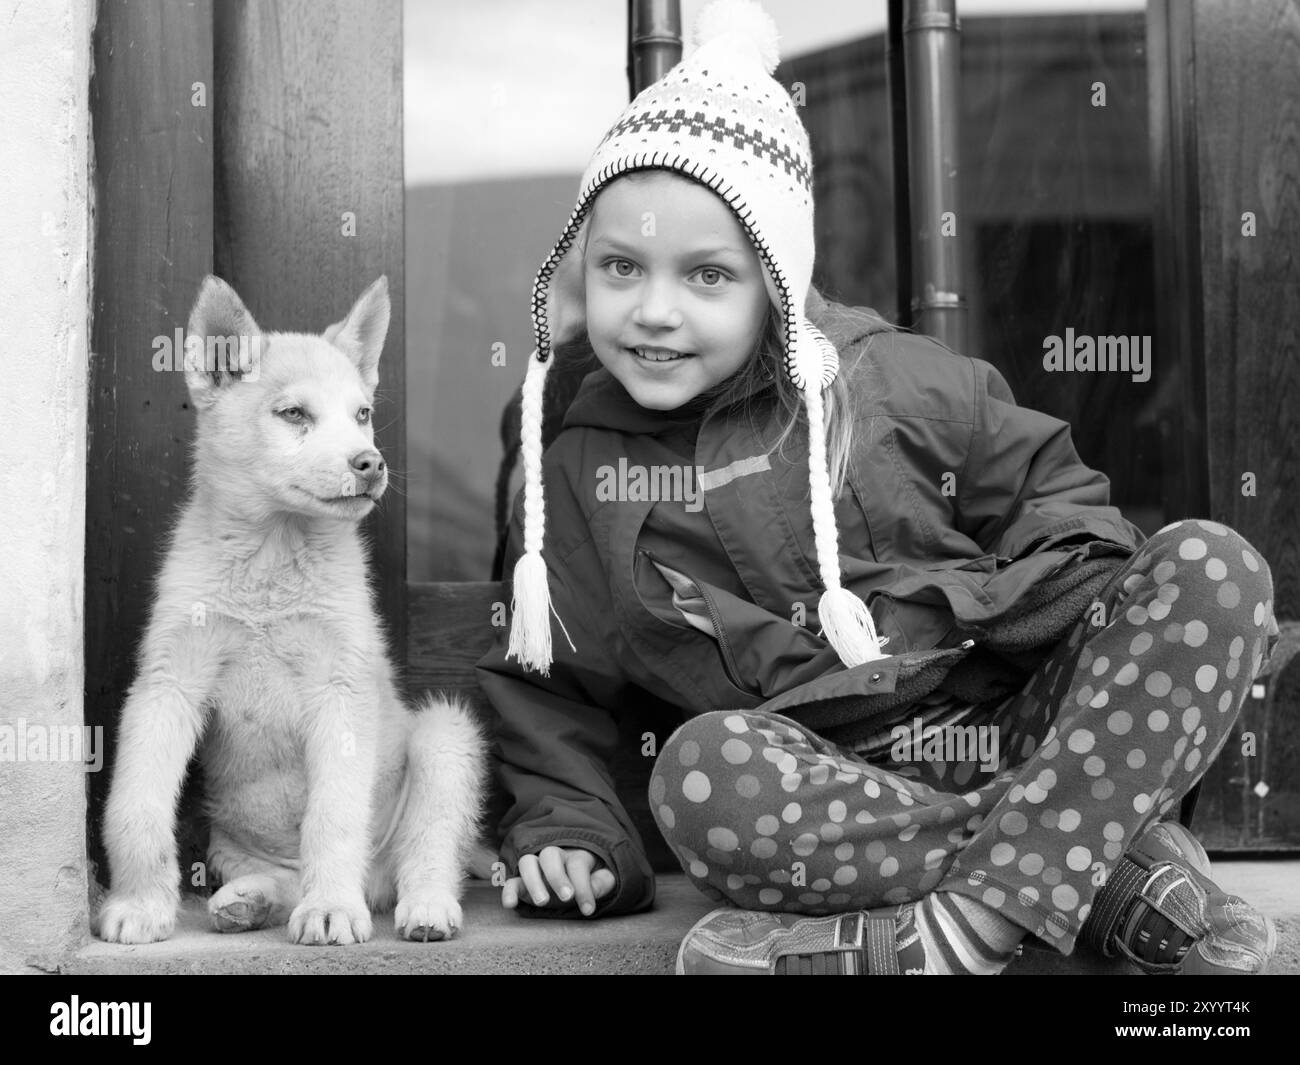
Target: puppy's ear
<point x="360" y="336"/>
<point x="223" y="343"/>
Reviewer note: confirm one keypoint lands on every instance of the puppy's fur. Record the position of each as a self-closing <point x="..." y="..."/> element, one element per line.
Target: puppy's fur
<point x="327" y="796"/>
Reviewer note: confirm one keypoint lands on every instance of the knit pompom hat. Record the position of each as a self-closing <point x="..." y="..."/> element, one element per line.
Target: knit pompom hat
<point x="719" y="118"/>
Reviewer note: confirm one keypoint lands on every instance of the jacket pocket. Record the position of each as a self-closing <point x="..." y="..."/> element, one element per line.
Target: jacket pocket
<point x="913" y="626"/>
<point x="695" y="592"/>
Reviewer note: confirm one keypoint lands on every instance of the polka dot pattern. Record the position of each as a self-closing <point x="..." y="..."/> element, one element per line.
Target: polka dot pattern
<point x="1106" y="734"/>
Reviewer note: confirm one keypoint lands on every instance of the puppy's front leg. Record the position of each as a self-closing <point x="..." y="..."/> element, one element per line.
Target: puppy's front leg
<point x="161" y="722"/>
<point x="340" y="758"/>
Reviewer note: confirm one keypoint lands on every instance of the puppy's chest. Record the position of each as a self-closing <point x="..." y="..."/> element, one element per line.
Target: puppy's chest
<point x="261" y="595"/>
<point x="267" y="678"/>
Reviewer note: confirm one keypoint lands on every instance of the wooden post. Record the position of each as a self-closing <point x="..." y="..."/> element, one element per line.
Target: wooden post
<point x="310" y="192"/>
<point x="151" y="107"/>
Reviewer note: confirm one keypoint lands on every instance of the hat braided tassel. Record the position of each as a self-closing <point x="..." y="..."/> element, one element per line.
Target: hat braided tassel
<point x="530" y="607"/>
<point x="846" y="621"/>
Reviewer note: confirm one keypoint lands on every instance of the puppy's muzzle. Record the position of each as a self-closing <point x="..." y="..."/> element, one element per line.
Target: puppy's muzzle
<point x="371" y="473"/>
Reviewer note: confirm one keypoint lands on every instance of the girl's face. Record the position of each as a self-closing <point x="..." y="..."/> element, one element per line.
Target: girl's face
<point x="675" y="296"/>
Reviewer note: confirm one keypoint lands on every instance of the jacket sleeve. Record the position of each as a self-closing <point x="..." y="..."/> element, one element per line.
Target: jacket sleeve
<point x="1024" y="488"/>
<point x="556" y="735"/>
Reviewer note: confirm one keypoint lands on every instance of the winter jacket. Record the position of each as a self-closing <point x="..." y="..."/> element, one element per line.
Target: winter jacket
<point x="968" y="525"/>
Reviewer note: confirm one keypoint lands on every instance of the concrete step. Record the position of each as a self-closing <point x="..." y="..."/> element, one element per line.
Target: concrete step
<point x="497" y="941"/>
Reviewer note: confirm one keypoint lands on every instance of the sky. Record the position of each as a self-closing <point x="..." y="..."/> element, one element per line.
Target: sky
<point x="508" y="88"/>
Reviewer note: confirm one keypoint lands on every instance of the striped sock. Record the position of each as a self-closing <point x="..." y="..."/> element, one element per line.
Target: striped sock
<point x="964" y="936"/>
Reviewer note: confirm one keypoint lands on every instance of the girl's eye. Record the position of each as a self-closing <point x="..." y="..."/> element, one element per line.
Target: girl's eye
<point x="711" y="276"/>
<point x="621" y="267"/>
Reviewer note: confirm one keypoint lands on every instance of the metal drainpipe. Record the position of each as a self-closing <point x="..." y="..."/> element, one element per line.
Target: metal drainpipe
<point x="898" y="151"/>
<point x="654" y="41"/>
<point x="931" y="58"/>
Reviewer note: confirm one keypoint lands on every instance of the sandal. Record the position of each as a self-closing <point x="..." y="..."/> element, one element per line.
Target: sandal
<point x="1162" y="912"/>
<point x="736" y="942"/>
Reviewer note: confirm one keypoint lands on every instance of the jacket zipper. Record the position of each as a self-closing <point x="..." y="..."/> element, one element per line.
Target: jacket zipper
<point x="729" y="666"/>
<point x="728" y="659"/>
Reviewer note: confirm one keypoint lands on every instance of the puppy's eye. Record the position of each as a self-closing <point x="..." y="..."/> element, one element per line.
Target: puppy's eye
<point x="363" y="416"/>
<point x="293" y="414"/>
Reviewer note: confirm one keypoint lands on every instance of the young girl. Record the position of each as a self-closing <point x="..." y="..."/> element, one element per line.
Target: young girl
<point x="987" y="751"/>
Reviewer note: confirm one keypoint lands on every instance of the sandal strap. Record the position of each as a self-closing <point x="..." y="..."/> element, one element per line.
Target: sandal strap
<point x="882" y="946"/>
<point x="863" y="946"/>
<point x="1149" y="912"/>
<point x="1110" y="904"/>
<point x="1163" y="923"/>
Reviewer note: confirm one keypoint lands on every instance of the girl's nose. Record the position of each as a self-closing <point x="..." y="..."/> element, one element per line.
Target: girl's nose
<point x="657" y="308"/>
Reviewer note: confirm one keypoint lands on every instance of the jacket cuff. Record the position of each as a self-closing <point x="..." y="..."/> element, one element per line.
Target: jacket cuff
<point x="634" y="882"/>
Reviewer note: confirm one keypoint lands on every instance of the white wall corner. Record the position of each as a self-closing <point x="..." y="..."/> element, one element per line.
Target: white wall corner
<point x="45" y="276"/>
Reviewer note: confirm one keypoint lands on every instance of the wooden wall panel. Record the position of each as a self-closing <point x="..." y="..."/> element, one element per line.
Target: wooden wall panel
<point x="153" y="245"/>
<point x="308" y="128"/>
<point x="1247" y="66"/>
<point x="1245" y="90"/>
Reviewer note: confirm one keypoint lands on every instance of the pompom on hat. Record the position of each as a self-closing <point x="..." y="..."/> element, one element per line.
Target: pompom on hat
<point x="720" y="118"/>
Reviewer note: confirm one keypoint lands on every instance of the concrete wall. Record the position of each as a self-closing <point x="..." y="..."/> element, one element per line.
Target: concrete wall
<point x="45" y="307"/>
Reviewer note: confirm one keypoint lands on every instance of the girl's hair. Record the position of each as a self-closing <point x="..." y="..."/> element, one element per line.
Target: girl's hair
<point x="762" y="387"/>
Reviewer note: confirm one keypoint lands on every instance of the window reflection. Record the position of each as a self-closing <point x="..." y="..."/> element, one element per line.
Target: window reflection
<point x="1056" y="217"/>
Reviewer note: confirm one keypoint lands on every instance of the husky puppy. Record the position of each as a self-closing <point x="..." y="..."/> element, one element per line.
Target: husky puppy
<point x="328" y="798"/>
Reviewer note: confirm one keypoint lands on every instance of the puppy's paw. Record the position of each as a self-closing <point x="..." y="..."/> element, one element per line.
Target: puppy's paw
<point x="428" y="916"/>
<point x="136" y="918"/>
<point x="239" y="907"/>
<point x="317" y="921"/>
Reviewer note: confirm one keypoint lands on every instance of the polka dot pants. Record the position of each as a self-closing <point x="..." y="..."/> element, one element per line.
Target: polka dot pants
<point x="1107" y="735"/>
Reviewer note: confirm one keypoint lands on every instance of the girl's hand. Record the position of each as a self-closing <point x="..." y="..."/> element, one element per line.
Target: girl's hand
<point x="572" y="873"/>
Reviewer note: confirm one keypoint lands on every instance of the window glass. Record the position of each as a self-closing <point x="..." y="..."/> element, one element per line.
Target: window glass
<point x="1057" y="194"/>
<point x="504" y="101"/>
<point x="1055" y="219"/>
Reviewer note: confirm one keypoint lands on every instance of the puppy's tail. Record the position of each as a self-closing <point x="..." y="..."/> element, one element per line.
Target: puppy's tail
<point x="454" y="738"/>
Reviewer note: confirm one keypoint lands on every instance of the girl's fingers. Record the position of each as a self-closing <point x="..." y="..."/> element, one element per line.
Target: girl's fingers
<point x="531" y="873"/>
<point x="569" y="873"/>
<point x="552" y="862"/>
<point x="580" y="864"/>
<point x="510" y="893"/>
<point x="602" y="882"/>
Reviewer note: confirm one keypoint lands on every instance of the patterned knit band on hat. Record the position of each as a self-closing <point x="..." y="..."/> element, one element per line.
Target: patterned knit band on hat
<point x="719" y="118"/>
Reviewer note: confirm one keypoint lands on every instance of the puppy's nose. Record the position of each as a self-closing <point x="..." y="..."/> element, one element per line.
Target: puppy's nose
<point x="368" y="465"/>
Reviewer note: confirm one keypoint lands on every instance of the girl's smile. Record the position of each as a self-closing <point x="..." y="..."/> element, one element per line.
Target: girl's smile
<point x="659" y="354"/>
<point x="676" y="301"/>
